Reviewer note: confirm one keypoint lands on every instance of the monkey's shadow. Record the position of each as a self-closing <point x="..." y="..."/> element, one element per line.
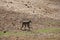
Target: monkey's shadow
<point x="25" y="30"/>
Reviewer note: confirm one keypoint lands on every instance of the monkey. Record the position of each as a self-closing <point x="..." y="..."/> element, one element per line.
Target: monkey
<point x="26" y="24"/>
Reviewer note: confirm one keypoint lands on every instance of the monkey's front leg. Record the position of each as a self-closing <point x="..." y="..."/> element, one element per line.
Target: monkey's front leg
<point x="28" y="27"/>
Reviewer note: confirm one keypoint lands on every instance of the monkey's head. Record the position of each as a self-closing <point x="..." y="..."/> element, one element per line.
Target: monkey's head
<point x="30" y="21"/>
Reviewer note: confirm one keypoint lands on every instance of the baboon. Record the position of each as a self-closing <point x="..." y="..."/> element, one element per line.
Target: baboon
<point x="26" y="24"/>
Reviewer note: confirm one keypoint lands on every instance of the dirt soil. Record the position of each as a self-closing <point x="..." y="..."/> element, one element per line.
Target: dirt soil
<point x="42" y="13"/>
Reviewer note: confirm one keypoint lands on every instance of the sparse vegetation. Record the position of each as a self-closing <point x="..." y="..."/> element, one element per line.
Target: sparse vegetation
<point x="47" y="30"/>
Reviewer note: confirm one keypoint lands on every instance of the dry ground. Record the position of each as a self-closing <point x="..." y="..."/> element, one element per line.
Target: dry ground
<point x="44" y="14"/>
